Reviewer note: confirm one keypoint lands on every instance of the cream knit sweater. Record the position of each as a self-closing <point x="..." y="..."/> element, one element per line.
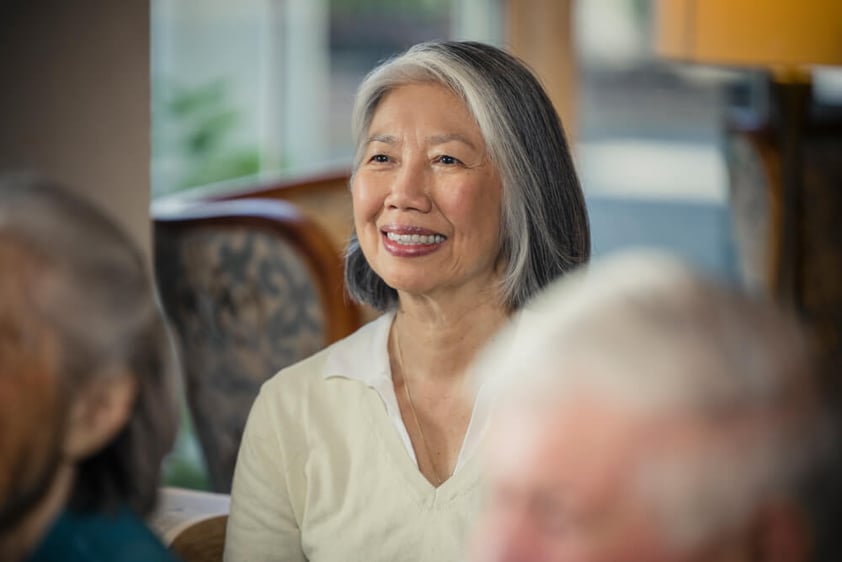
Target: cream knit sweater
<point x="323" y="475"/>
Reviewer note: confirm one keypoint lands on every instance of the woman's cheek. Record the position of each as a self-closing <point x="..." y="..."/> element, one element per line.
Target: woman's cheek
<point x="367" y="200"/>
<point x="28" y="402"/>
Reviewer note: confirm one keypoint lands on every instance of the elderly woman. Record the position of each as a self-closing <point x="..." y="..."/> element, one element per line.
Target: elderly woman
<point x="466" y="203"/>
<point x="87" y="383"/>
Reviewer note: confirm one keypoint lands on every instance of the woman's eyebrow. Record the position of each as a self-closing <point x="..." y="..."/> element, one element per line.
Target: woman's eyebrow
<point x="432" y="140"/>
<point x="386" y="139"/>
<point x="448" y="137"/>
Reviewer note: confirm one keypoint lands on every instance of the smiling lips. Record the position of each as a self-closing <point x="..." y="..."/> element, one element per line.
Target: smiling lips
<point x="411" y="241"/>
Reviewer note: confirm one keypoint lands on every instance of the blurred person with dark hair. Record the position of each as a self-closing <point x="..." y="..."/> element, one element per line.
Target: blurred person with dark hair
<point x="651" y="415"/>
<point x="466" y="203"/>
<point x="87" y="383"/>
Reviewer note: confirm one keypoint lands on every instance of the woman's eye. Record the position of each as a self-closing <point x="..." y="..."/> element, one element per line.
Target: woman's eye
<point x="379" y="158"/>
<point x="448" y="160"/>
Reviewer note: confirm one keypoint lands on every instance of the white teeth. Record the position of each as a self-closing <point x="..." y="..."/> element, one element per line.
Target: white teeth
<point x="415" y="239"/>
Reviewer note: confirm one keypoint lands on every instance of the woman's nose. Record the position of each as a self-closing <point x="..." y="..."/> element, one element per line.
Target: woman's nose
<point x="408" y="189"/>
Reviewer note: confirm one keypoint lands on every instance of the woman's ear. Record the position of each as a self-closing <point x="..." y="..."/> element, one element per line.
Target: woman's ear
<point x="99" y="412"/>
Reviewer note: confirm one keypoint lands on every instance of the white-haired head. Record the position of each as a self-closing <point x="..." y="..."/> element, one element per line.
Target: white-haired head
<point x="648" y="335"/>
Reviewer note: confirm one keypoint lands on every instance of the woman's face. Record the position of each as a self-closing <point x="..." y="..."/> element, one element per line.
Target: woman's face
<point x="30" y="435"/>
<point x="31" y="400"/>
<point x="427" y="198"/>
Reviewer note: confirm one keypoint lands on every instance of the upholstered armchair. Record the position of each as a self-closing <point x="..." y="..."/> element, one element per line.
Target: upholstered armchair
<point x="250" y="287"/>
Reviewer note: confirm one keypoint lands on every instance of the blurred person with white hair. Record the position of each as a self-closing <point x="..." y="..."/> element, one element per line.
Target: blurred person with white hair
<point x="88" y="376"/>
<point x="647" y="414"/>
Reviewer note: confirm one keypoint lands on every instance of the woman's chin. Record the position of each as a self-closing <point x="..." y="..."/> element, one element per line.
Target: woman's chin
<point x="415" y="285"/>
<point x="433" y="283"/>
<point x="441" y="292"/>
<point x="412" y="288"/>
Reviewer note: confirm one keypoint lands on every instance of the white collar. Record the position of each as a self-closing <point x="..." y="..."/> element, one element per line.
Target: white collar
<point x="364" y="356"/>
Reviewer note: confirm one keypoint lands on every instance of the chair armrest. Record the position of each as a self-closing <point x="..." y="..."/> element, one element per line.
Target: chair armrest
<point x="192" y="523"/>
<point x="203" y="541"/>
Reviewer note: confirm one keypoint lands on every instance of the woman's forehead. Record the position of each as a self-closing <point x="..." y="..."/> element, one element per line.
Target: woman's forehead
<point x="432" y="110"/>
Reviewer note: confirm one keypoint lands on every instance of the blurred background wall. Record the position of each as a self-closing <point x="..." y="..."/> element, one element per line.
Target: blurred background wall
<point x="74" y="100"/>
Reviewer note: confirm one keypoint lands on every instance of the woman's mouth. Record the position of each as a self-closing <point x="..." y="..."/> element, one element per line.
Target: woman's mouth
<point x="411" y="241"/>
<point x="415" y="239"/>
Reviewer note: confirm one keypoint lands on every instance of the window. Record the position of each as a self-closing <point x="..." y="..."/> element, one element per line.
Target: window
<point x="265" y="87"/>
<point x="650" y="139"/>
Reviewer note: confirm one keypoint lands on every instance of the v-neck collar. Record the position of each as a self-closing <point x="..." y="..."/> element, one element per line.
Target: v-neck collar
<point x="364" y="357"/>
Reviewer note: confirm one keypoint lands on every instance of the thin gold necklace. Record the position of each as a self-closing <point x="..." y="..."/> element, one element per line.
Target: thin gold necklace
<point x="408" y="394"/>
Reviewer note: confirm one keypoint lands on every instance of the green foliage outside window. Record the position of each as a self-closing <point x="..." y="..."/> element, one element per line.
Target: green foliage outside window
<point x="195" y="125"/>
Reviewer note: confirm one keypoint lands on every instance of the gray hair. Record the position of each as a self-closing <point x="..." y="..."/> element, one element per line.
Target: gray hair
<point x="651" y="335"/>
<point x="544" y="222"/>
<point x="94" y="293"/>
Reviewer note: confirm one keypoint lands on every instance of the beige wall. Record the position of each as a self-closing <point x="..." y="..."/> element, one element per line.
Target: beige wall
<point x="541" y="33"/>
<point x="74" y="99"/>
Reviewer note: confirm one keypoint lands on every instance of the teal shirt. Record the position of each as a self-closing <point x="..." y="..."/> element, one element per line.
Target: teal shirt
<point x="115" y="537"/>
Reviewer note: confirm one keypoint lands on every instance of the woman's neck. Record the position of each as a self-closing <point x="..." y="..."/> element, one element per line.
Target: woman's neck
<point x="431" y="345"/>
<point x="440" y="342"/>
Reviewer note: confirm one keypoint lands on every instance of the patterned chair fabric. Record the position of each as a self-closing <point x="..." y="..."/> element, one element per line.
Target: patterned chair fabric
<point x="250" y="287"/>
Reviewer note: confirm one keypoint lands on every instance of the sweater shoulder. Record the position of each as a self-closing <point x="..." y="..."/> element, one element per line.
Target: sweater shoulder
<point x="355" y="353"/>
